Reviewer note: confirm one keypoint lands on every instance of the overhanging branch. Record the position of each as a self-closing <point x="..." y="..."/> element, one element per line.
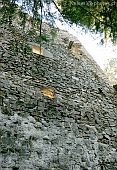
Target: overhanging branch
<point x="41" y="5"/>
<point x="85" y="10"/>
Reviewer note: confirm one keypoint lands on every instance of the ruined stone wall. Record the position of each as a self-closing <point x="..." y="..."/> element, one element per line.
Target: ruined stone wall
<point x="76" y="129"/>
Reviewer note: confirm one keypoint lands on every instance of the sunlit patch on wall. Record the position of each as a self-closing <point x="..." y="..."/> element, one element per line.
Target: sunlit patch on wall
<point x="37" y="50"/>
<point x="48" y="91"/>
<point x="36" y="29"/>
<point x="75" y="48"/>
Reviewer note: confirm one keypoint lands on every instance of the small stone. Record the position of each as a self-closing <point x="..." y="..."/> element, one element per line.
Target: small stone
<point x="46" y="138"/>
<point x="115" y="87"/>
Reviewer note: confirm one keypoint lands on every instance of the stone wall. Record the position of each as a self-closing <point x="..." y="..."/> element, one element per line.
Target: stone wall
<point x="74" y="130"/>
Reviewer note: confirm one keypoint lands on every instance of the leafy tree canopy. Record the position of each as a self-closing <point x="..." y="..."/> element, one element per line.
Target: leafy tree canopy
<point x="98" y="16"/>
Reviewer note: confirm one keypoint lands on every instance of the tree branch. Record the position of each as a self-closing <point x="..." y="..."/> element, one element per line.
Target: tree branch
<point x="86" y="11"/>
<point x="94" y="16"/>
<point x="41" y="5"/>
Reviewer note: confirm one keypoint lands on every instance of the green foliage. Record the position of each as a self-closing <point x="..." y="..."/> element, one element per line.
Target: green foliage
<point x="23" y="19"/>
<point x="11" y="12"/>
<point x="31" y="32"/>
<point x="7" y="11"/>
<point x="53" y="33"/>
<point x="98" y="16"/>
<point x="27" y="49"/>
<point x="110" y="69"/>
<point x="22" y="48"/>
<point x="44" y="37"/>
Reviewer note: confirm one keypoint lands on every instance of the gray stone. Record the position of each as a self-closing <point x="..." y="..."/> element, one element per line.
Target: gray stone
<point x="76" y="129"/>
